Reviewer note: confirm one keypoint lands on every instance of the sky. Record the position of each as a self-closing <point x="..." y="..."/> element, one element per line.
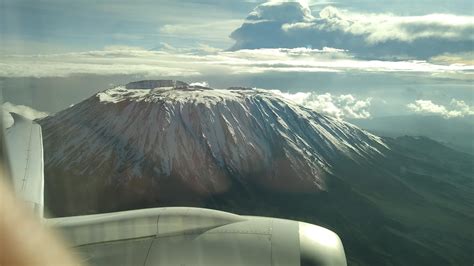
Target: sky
<point x="348" y="59"/>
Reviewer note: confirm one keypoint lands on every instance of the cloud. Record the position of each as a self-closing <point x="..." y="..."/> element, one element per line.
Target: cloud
<point x="303" y="3"/>
<point x="341" y="106"/>
<point x="458" y="108"/>
<point x="199" y="48"/>
<point x="103" y="62"/>
<point x="366" y="35"/>
<point x="200" y="84"/>
<point x="204" y="60"/>
<point x="22" y="110"/>
<point x="466" y="58"/>
<point x="289" y="11"/>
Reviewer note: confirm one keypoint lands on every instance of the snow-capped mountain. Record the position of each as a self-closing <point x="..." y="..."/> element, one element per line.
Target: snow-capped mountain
<point x="203" y="137"/>
<point x="249" y="151"/>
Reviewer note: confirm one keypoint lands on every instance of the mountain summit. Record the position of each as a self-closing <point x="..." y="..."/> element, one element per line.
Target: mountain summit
<point x="151" y="132"/>
<point x="167" y="143"/>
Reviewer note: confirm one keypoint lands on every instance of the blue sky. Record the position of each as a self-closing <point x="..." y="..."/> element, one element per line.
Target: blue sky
<point x="83" y="25"/>
<point x="51" y="25"/>
<point x="391" y="57"/>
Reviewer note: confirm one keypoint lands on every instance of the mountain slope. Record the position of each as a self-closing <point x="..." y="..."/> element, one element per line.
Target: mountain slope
<point x="202" y="138"/>
<point x="166" y="143"/>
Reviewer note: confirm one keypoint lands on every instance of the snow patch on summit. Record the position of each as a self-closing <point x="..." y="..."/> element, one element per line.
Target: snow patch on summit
<point x="120" y="94"/>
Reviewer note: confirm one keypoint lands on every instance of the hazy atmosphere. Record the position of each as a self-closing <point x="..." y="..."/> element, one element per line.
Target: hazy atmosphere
<point x="349" y="59"/>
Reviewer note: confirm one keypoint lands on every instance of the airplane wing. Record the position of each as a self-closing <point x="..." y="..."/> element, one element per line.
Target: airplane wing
<point x="169" y="236"/>
<point x="194" y="236"/>
<point x="25" y="149"/>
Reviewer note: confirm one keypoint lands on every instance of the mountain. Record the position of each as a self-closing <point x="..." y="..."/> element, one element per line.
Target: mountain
<point x="393" y="201"/>
<point x="164" y="135"/>
<point x="453" y="132"/>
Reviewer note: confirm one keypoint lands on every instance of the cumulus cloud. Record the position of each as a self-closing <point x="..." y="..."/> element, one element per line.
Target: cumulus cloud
<point x="457" y="108"/>
<point x="339" y="106"/>
<point x="200" y="84"/>
<point x="303" y="3"/>
<point x="366" y="35"/>
<point x="182" y="62"/>
<point x="289" y="11"/>
<point x="22" y="110"/>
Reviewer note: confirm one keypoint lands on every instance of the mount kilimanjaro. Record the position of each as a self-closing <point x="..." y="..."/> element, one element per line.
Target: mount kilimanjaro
<point x="167" y="143"/>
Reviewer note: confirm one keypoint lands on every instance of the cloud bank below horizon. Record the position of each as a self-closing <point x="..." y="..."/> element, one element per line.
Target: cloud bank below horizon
<point x="195" y="62"/>
<point x="338" y="106"/>
<point x="457" y="108"/>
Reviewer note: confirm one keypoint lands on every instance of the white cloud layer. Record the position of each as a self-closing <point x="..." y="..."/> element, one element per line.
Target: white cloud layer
<point x="457" y="108"/>
<point x="368" y="35"/>
<point x="379" y="28"/>
<point x="340" y="106"/>
<point x="207" y="61"/>
<point x="200" y="84"/>
<point x="22" y="110"/>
